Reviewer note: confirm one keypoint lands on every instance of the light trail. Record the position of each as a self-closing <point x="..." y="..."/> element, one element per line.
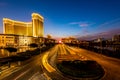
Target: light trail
<point x="46" y="64"/>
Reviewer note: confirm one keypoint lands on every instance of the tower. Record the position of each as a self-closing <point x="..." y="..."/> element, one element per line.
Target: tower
<point x="37" y="24"/>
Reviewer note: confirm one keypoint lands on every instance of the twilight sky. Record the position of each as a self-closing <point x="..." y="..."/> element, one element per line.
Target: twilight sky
<point x="79" y="18"/>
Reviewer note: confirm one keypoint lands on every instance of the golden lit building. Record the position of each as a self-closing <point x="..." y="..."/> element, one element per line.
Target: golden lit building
<point x="8" y="40"/>
<point x="37" y="24"/>
<point x="21" y="34"/>
<point x="11" y="40"/>
<point x="34" y="28"/>
<point x="70" y="40"/>
<point x="25" y="40"/>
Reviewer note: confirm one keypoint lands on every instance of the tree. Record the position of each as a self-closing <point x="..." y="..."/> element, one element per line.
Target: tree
<point x="10" y="50"/>
<point x="33" y="45"/>
<point x="49" y="36"/>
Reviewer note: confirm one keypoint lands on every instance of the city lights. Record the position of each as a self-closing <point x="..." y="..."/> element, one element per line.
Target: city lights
<point x="60" y="40"/>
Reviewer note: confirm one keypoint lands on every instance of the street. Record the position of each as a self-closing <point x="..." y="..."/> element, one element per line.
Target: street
<point x="43" y="66"/>
<point x="110" y="65"/>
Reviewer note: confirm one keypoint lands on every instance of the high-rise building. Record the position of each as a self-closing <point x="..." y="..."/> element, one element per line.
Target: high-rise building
<point x="34" y="28"/>
<point x="37" y="24"/>
<point x="116" y="38"/>
<point x="20" y="34"/>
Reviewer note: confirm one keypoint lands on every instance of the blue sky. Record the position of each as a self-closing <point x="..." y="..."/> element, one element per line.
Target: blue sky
<point x="64" y="18"/>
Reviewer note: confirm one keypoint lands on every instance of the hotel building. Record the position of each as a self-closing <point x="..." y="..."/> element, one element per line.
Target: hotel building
<point x="18" y="33"/>
<point x="11" y="40"/>
<point x="21" y="34"/>
<point x="34" y="28"/>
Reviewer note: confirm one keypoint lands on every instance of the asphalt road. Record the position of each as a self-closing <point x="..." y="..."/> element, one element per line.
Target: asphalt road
<point x="43" y="66"/>
<point x="33" y="69"/>
<point x="110" y="65"/>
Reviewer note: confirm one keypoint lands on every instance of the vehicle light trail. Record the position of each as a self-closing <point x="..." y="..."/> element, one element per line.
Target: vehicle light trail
<point x="46" y="64"/>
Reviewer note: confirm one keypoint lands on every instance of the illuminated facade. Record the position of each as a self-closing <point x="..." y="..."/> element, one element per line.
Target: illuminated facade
<point x="37" y="24"/>
<point x="21" y="34"/>
<point x="34" y="28"/>
<point x="116" y="38"/>
<point x="8" y="40"/>
<point x="70" y="40"/>
<point x="11" y="40"/>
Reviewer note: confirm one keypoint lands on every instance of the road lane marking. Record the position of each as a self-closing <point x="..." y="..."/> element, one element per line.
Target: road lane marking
<point x="22" y="74"/>
<point x="8" y="73"/>
<point x="42" y="76"/>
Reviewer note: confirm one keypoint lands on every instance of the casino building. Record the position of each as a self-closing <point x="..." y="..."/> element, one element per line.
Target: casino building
<point x="34" y="28"/>
<point x="20" y="34"/>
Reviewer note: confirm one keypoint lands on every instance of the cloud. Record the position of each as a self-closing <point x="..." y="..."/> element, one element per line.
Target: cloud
<point x="106" y="34"/>
<point x="82" y="24"/>
<point x="111" y="23"/>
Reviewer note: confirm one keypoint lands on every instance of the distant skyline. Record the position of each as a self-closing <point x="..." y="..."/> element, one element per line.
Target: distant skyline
<point x="84" y="19"/>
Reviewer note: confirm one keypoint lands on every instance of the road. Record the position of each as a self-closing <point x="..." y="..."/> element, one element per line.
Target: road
<point x="43" y="66"/>
<point x="26" y="71"/>
<point x="34" y="69"/>
<point x="110" y="65"/>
